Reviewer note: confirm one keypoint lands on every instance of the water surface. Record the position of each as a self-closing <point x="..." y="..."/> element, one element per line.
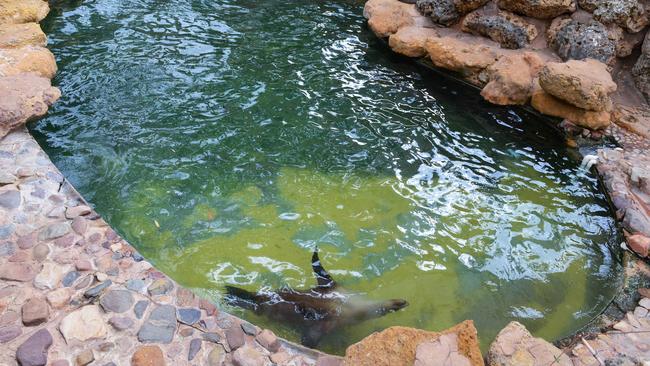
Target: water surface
<point x="225" y="139"/>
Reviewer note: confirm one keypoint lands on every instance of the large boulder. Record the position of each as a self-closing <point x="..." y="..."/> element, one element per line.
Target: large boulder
<point x="505" y="28"/>
<point x="386" y="17"/>
<point x="641" y="70"/>
<point x="28" y="59"/>
<point x="511" y="79"/>
<point x="396" y="346"/>
<point x="410" y="41"/>
<point x="575" y="40"/>
<point x="468" y="58"/>
<point x="541" y="9"/>
<point x="547" y="104"/>
<point x="24" y="97"/>
<point x="515" y="346"/>
<point x="585" y="84"/>
<point x="19" y="35"/>
<point x="447" y="12"/>
<point x="23" y="11"/>
<point x="629" y="14"/>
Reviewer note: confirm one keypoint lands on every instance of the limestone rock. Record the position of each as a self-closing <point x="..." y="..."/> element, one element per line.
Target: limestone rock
<point x="386" y="17"/>
<point x="628" y="14"/>
<point x="505" y="28"/>
<point x="511" y="79"/>
<point x="60" y="297"/>
<point x="585" y="84"/>
<point x="467" y="58"/>
<point x="83" y="324"/>
<point x="27" y="59"/>
<point x="575" y="40"/>
<point x="148" y="356"/>
<point x="541" y="9"/>
<point x="396" y="346"/>
<point x="641" y="69"/>
<point x="23" y="98"/>
<point x="515" y="346"/>
<point x="442" y="351"/>
<point x="19" y="35"/>
<point x="33" y="352"/>
<point x="447" y="12"/>
<point x="23" y="11"/>
<point x="549" y="105"/>
<point x="50" y="276"/>
<point x="410" y="41"/>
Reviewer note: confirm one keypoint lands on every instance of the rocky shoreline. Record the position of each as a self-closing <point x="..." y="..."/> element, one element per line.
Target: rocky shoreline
<point x="72" y="292"/>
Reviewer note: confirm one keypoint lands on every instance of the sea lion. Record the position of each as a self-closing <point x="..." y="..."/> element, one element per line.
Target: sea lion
<point x="317" y="311"/>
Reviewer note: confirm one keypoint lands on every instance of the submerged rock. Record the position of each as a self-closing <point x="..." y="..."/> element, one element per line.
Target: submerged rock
<point x="505" y="28"/>
<point x="541" y="9"/>
<point x="584" y="84"/>
<point x="628" y="14"/>
<point x="576" y="40"/>
<point x="397" y="346"/>
<point x="447" y="12"/>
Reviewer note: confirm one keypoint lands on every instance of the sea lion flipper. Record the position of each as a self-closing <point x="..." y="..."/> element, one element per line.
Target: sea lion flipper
<point x="322" y="277"/>
<point x="236" y="296"/>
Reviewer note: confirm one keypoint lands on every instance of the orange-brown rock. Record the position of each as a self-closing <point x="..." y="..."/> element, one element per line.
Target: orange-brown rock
<point x="28" y="59"/>
<point x="19" y="35"/>
<point x="386" y="17"/>
<point x="463" y="56"/>
<point x="24" y="97"/>
<point x="549" y="105"/>
<point x="23" y="11"/>
<point x="410" y="41"/>
<point x="585" y="84"/>
<point x="148" y="356"/>
<point x="639" y="243"/>
<point x="396" y="346"/>
<point x="511" y="79"/>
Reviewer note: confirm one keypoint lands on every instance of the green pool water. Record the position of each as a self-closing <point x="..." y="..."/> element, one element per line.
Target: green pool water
<point x="226" y="139"/>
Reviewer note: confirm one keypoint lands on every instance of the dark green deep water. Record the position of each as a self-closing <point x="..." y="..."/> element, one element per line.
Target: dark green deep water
<point x="224" y="139"/>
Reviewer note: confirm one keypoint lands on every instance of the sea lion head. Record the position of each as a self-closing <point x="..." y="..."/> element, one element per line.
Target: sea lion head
<point x="394" y="305"/>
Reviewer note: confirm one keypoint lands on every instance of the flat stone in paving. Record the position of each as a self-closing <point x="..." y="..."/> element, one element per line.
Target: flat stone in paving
<point x="235" y="336"/>
<point x="69" y="278"/>
<point x="160" y="287"/>
<point x="20" y="272"/>
<point x="117" y="301"/>
<point x="35" y="311"/>
<point x="160" y="326"/>
<point x="33" y="352"/>
<point x="121" y="323"/>
<point x="95" y="291"/>
<point x="10" y="332"/>
<point x="189" y="316"/>
<point x="195" y="347"/>
<point x="10" y="199"/>
<point x="140" y="307"/>
<point x="54" y="231"/>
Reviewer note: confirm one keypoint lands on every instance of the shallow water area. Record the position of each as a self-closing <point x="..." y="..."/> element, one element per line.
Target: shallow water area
<point x="226" y="139"/>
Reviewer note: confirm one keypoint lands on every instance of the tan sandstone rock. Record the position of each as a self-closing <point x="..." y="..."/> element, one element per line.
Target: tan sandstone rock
<point x="19" y="35"/>
<point x="410" y="41"/>
<point x="550" y="105"/>
<point x="467" y="58"/>
<point x="397" y="346"/>
<point x="386" y="17"/>
<point x="24" y="97"/>
<point x="511" y="79"/>
<point x="83" y="324"/>
<point x="23" y="11"/>
<point x="35" y="59"/>
<point x="441" y="352"/>
<point x="515" y="346"/>
<point x="585" y="84"/>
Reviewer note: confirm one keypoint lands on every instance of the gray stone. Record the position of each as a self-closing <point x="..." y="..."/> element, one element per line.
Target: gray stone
<point x="189" y="316"/>
<point x="69" y="278"/>
<point x="249" y="329"/>
<point x="137" y="257"/>
<point x="268" y="340"/>
<point x="54" y="231"/>
<point x="211" y="337"/>
<point x="7" y="249"/>
<point x="121" y="323"/>
<point x="95" y="291"/>
<point x="447" y="12"/>
<point x="40" y="252"/>
<point x="160" y="287"/>
<point x="235" y="336"/>
<point x="541" y="9"/>
<point x="10" y="199"/>
<point x="135" y="284"/>
<point x="575" y="40"/>
<point x="140" y="308"/>
<point x="33" y="352"/>
<point x="195" y="347"/>
<point x="117" y="301"/>
<point x="6" y="230"/>
<point x="9" y="332"/>
<point x="160" y="326"/>
<point x="641" y="69"/>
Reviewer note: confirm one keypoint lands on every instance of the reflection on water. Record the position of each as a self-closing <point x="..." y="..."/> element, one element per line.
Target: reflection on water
<point x="225" y="139"/>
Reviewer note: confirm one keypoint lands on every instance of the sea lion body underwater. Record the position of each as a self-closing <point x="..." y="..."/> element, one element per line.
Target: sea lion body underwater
<point x="316" y="311"/>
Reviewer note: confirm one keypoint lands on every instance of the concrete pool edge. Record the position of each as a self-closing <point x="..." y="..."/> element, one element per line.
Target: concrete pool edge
<point x="58" y="258"/>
